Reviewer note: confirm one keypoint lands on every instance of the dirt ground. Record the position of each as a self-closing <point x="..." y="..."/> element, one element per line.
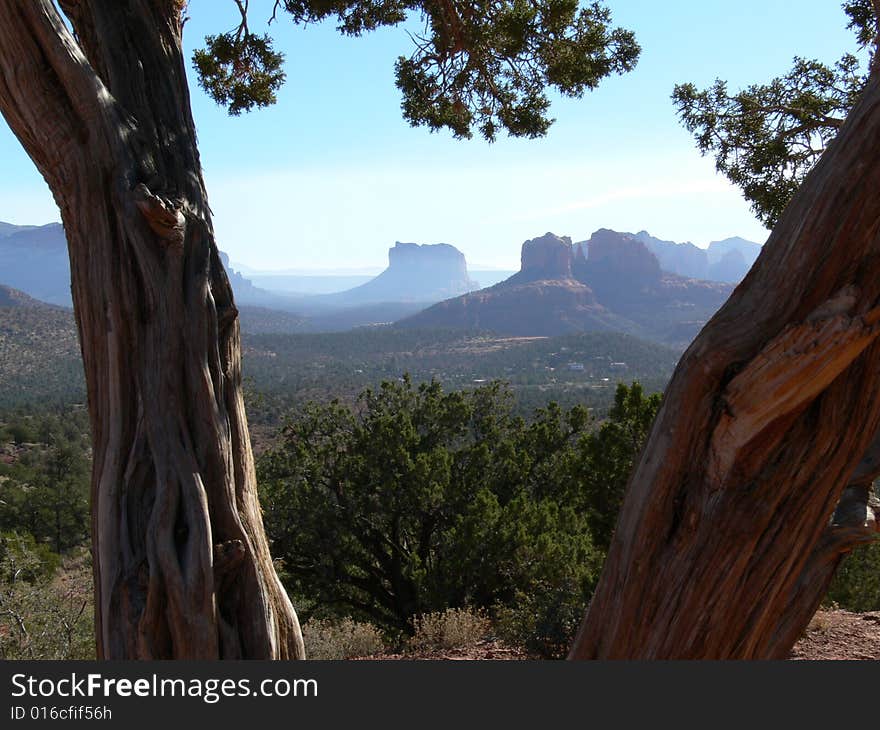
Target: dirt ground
<point x="832" y="634"/>
<point x="837" y="634"/>
<point x="484" y="650"/>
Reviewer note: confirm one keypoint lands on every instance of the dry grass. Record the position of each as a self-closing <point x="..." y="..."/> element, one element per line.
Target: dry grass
<point x="454" y="628"/>
<point x="343" y="639"/>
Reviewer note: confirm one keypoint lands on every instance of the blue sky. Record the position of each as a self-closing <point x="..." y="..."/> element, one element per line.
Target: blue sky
<point x="331" y="176"/>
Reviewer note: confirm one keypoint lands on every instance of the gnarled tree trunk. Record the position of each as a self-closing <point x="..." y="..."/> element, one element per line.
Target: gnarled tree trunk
<point x="182" y="565"/>
<point x="725" y="542"/>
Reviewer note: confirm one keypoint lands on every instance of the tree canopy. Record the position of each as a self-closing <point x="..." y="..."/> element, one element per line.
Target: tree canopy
<point x="421" y="499"/>
<point x="96" y="92"/>
<point x="767" y="137"/>
<point x="483" y="65"/>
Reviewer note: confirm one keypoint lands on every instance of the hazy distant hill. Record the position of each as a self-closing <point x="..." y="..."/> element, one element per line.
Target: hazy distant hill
<point x="731" y="259"/>
<point x="247" y="294"/>
<point x="39" y="352"/>
<point x="10" y="297"/>
<point x="8" y="228"/>
<point x="611" y="282"/>
<point x="34" y="260"/>
<point x="726" y="261"/>
<point x="307" y="284"/>
<point x="365" y="315"/>
<point x="417" y="276"/>
<point x="416" y="273"/>
<point x="259" y="320"/>
<point x="538" y="299"/>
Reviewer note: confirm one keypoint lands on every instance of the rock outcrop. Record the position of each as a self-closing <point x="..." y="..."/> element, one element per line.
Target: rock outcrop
<point x="416" y="273"/>
<point x="548" y="257"/>
<point x="731" y="259"/>
<point x="727" y="261"/>
<point x="620" y="256"/>
<point x="439" y="261"/>
<point x="526" y="308"/>
<point x="610" y="282"/>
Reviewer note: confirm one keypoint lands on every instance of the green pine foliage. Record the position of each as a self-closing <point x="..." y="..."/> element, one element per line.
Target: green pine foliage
<point x="484" y="65"/>
<point x="767" y="137"/>
<point x="856" y="585"/>
<point x="418" y="500"/>
<point x="44" y="489"/>
<point x="606" y="457"/>
<point x="45" y="566"/>
<point x="239" y="70"/>
<point x="46" y="609"/>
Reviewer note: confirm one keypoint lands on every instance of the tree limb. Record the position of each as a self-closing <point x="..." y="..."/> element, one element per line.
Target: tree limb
<point x="52" y="104"/>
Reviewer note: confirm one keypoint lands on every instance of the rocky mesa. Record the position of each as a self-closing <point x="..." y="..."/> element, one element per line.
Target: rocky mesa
<point x="543" y="298"/>
<point x="416" y="273"/>
<point x="609" y="282"/>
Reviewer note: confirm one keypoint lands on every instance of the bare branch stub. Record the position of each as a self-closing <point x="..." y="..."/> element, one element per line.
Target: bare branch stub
<point x="164" y="218"/>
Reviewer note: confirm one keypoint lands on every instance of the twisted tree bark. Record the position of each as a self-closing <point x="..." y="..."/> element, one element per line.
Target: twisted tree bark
<point x="725" y="542"/>
<point x="182" y="565"/>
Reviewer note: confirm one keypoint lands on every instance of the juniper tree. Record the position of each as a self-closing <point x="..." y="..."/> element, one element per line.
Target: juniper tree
<point x="767" y="137"/>
<point x="756" y="476"/>
<point x="96" y="92"/>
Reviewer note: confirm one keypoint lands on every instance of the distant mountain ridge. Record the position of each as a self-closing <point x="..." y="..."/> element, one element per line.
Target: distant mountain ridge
<point x="543" y="298"/>
<point x="7" y="229"/>
<point x="246" y="293"/>
<point x="10" y="297"/>
<point x="39" y="352"/>
<point x="416" y="273"/>
<point x="726" y="261"/>
<point x="34" y="260"/>
<point x="582" y="286"/>
<point x="610" y="282"/>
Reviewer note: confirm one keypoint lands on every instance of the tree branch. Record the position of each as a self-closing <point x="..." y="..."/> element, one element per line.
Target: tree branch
<point x="49" y="93"/>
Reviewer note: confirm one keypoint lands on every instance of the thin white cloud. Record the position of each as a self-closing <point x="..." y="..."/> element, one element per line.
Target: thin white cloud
<point x="656" y="190"/>
<point x="344" y="218"/>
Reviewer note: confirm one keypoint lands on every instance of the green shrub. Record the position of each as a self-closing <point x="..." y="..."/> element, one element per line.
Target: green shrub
<point x="418" y="500"/>
<point x="856" y="587"/>
<point x="45" y="614"/>
<point x="45" y="490"/>
<point x="23" y="559"/>
<point x="544" y="621"/>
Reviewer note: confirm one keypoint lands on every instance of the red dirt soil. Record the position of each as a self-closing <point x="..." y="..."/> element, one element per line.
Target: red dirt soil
<point x="837" y="634"/>
<point x="832" y="634"/>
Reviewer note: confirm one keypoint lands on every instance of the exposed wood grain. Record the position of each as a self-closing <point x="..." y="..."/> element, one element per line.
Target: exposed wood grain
<point x="106" y="119"/>
<point x="725" y="544"/>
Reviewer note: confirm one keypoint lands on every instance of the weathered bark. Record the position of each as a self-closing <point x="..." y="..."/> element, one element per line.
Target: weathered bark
<point x="855" y="522"/>
<point x="182" y="565"/>
<point x="725" y="523"/>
